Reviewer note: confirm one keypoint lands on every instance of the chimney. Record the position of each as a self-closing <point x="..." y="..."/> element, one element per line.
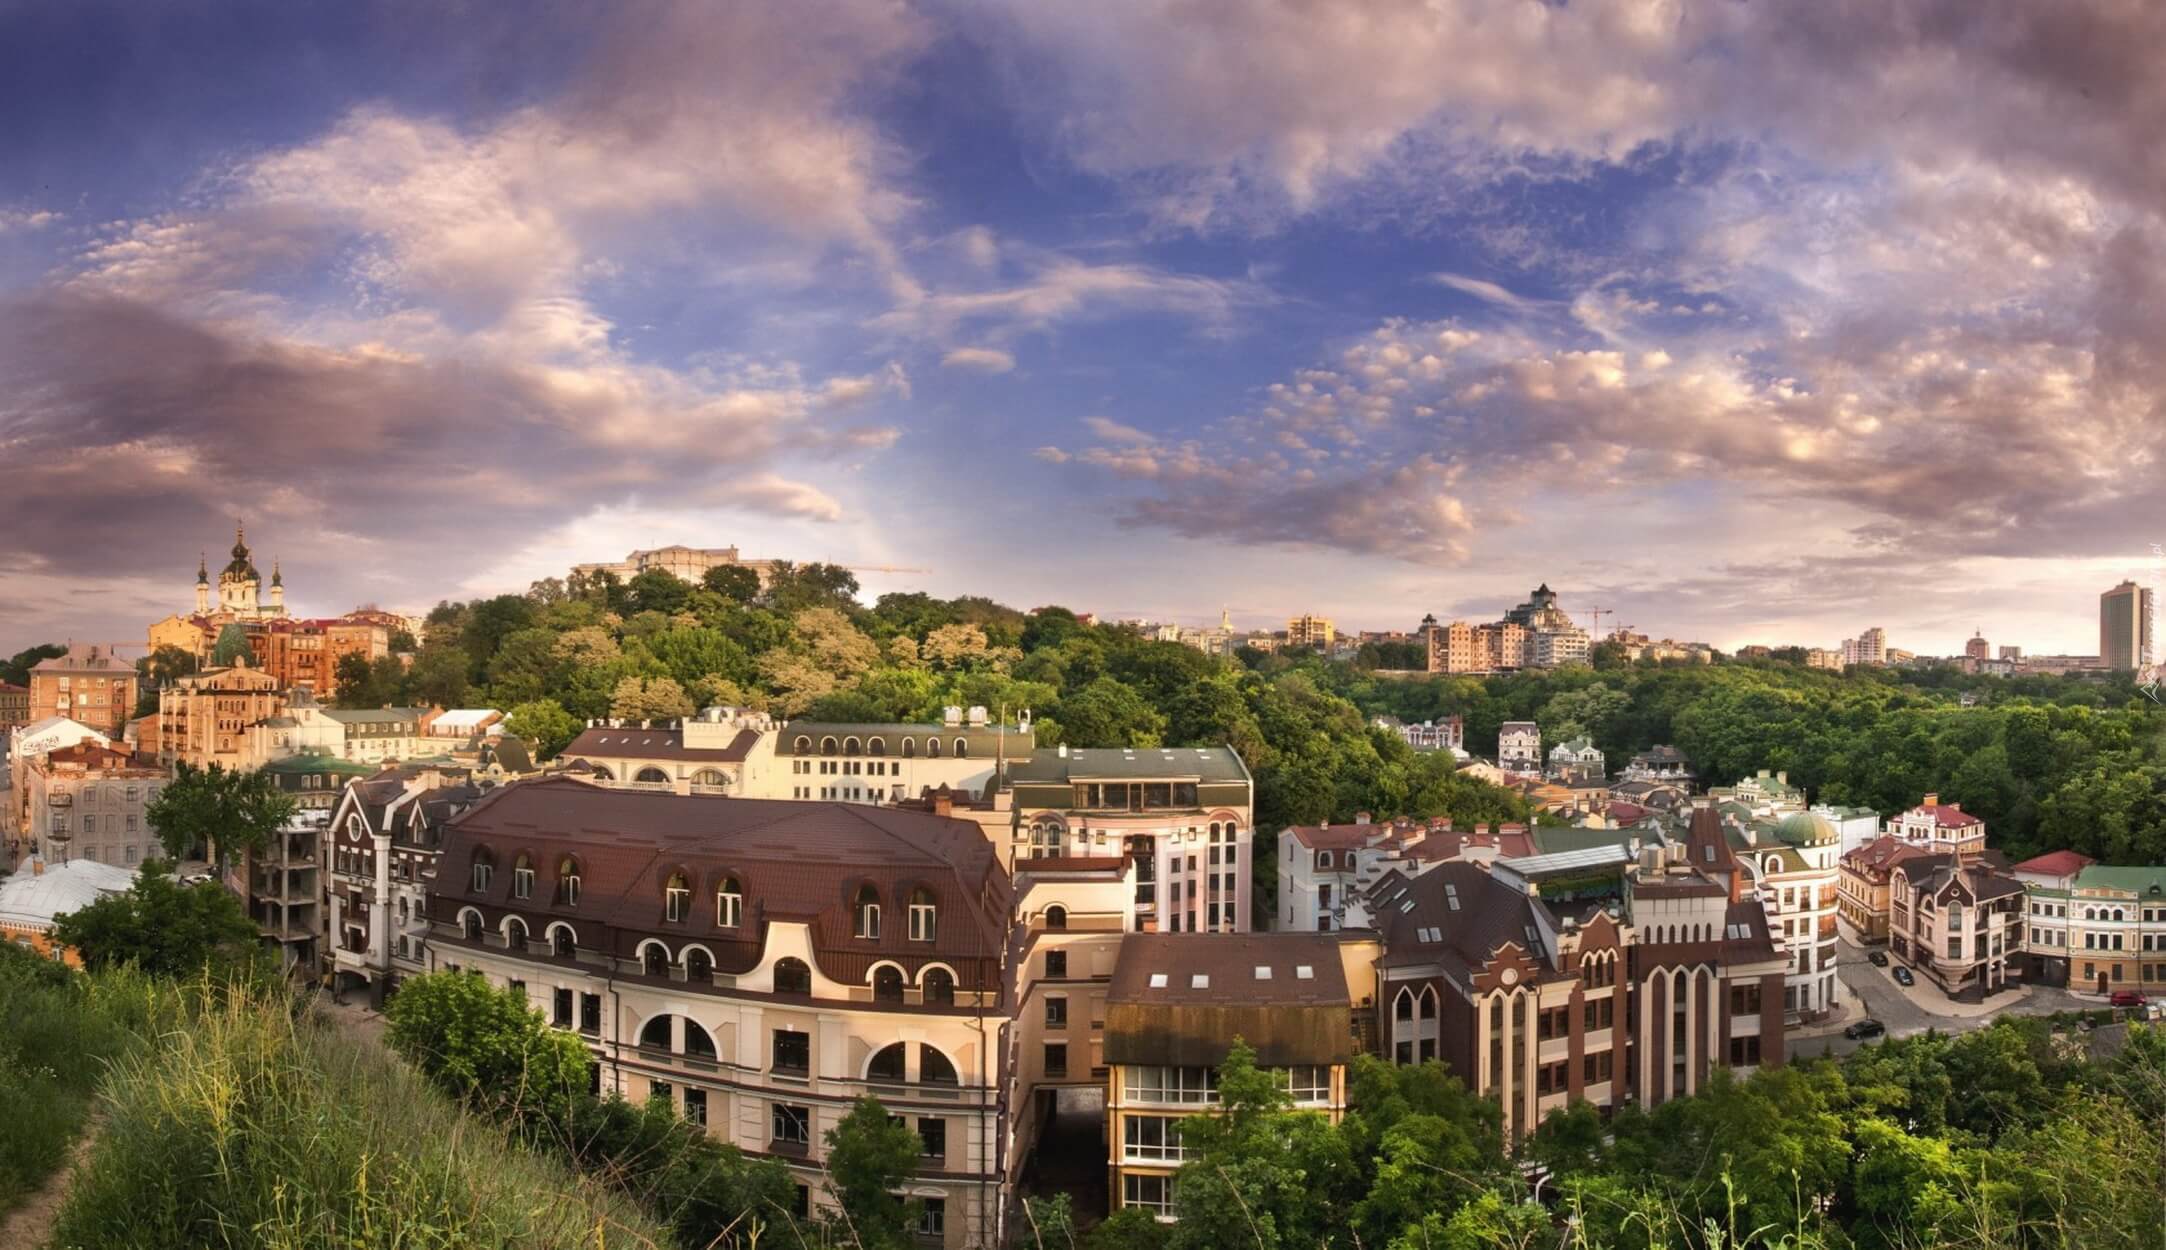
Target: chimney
<point x="1361" y="818"/>
<point x="1932" y="800"/>
<point x="943" y="802"/>
<point x="1064" y="750"/>
<point x="1783" y="777"/>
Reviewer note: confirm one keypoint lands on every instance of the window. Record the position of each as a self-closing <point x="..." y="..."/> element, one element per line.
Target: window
<point x="867" y="909"/>
<point x="1056" y="1011"/>
<point x="932" y="1137"/>
<point x="514" y="933"/>
<point x="561" y="942"/>
<point x="1744" y="1051"/>
<point x="923" y="915"/>
<point x="1056" y="1059"/>
<point x="484" y="864"/>
<point x="522" y="878"/>
<point x="1149" y="1083"/>
<point x="792" y="1052"/>
<point x="676" y="898"/>
<point x="889" y="1063"/>
<point x="729" y="904"/>
<point x="934" y="1067"/>
<point x="793" y="976"/>
<point x="939" y="986"/>
<point x="1056" y="917"/>
<point x="1600" y="1013"/>
<point x="568" y="882"/>
<point x="1597" y="1067"/>
<point x="932" y="1217"/>
<point x="792" y="1125"/>
<point x="1155" y="1138"/>
<point x="470" y="925"/>
<point x="698" y="965"/>
<point x="590" y="1013"/>
<point x="1152" y="1193"/>
<point x="660" y="1091"/>
<point x="1056" y="964"/>
<point x="695" y="1106"/>
<point x="1308" y="1082"/>
<point x="654" y="960"/>
<point x="562" y="1013"/>
<point x="887" y="984"/>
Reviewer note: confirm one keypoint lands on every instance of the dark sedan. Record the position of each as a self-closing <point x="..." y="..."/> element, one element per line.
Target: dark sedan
<point x="1879" y="959"/>
<point x="1864" y="1029"/>
<point x="1903" y="977"/>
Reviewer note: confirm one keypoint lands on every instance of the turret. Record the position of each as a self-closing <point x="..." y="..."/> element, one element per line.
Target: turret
<point x="278" y="590"/>
<point x="203" y="582"/>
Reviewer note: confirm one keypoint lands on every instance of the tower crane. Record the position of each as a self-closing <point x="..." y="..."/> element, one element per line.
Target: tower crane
<point x="882" y="568"/>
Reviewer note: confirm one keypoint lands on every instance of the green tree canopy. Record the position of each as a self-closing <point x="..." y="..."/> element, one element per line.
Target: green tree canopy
<point x="486" y="1045"/>
<point x="160" y="925"/>
<point x="211" y="810"/>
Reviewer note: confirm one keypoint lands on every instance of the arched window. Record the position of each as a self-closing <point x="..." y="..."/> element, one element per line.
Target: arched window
<point x="568" y="882"/>
<point x="654" y="960"/>
<point x="793" y="976"/>
<point x="1402" y="1005"/>
<point x="698" y="965"/>
<point x="827" y="746"/>
<point x="876" y="746"/>
<point x="729" y="904"/>
<point x="887" y="1064"/>
<point x="851" y="746"/>
<point x="484" y="865"/>
<point x="887" y="984"/>
<point x="804" y="745"/>
<point x="962" y="748"/>
<point x="924" y="915"/>
<point x="522" y="876"/>
<point x="910" y="748"/>
<point x="402" y="909"/>
<point x="1428" y="1002"/>
<point x="698" y="1043"/>
<point x="711" y="778"/>
<point x="1045" y="839"/>
<point x="939" y="986"/>
<point x="1323" y="858"/>
<point x="515" y="934"/>
<point x="932" y="748"/>
<point x="652" y="775"/>
<point x="562" y="941"/>
<point x="654" y="1034"/>
<point x="602" y="773"/>
<point x="470" y="924"/>
<point x="934" y="1068"/>
<point x="1056" y="917"/>
<point x="677" y="898"/>
<point x="866" y="907"/>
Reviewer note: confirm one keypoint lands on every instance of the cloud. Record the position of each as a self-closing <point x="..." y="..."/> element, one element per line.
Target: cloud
<point x="1105" y="429"/>
<point x="983" y="359"/>
<point x="26" y="219"/>
<point x="1484" y="290"/>
<point x="1059" y="288"/>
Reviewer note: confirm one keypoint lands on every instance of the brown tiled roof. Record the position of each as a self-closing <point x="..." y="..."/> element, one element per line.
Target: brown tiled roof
<point x="90" y="755"/>
<point x="795" y="861"/>
<point x="2056" y="864"/>
<point x="1208" y="993"/>
<point x="656" y="744"/>
<point x="1882" y="854"/>
<point x="1337" y="837"/>
<point x="1070" y="863"/>
<point x="1489" y="915"/>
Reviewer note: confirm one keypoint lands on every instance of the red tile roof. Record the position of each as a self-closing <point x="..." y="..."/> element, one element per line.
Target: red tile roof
<point x="2056" y="864"/>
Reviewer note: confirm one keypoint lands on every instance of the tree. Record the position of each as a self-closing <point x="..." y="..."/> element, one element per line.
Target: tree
<point x="1107" y="713"/>
<point x="545" y="723"/>
<point x="649" y="699"/>
<point x="160" y="925"/>
<point x="733" y="582"/>
<point x="231" y="647"/>
<point x="16" y="669"/>
<point x="438" y="677"/>
<point x="657" y="590"/>
<point x="159" y="669"/>
<point x="952" y="646"/>
<point x="218" y="811"/>
<point x="869" y="1156"/>
<point x="792" y="588"/>
<point x="485" y="1045"/>
<point x="833" y="642"/>
<point x="355" y="682"/>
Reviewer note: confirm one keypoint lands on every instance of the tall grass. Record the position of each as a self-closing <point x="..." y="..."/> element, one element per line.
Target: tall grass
<point x="58" y="1031"/>
<point x="251" y="1128"/>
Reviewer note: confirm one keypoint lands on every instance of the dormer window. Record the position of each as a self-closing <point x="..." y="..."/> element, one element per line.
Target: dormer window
<point x="729" y="904"/>
<point x="522" y="877"/>
<point x="1323" y="859"/>
<point x="568" y="882"/>
<point x="676" y="898"/>
<point x="867" y="909"/>
<point x="923" y="915"/>
<point x="484" y="865"/>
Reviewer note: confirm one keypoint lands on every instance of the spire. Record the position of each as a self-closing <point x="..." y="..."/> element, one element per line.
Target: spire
<point x="203" y="568"/>
<point x="276" y="578"/>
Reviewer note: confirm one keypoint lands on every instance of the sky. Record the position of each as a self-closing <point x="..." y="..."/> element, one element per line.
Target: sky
<point x="1744" y="322"/>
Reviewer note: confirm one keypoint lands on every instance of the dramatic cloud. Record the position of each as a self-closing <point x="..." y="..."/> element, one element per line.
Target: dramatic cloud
<point x="983" y="359"/>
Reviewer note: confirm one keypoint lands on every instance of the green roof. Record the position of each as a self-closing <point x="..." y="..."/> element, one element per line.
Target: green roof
<point x="2131" y="879"/>
<point x="1048" y="764"/>
<point x="1806" y="829"/>
<point x="320" y="764"/>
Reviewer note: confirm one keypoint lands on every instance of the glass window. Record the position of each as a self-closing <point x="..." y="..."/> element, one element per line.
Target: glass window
<point x="695" y="1106"/>
<point x="1151" y="1137"/>
<point x="1056" y="1011"/>
<point x="792" y="1125"/>
<point x="1152" y="1193"/>
<point x="793" y="976"/>
<point x="792" y="1052"/>
<point x="923" y="915"/>
<point x="932" y="1137"/>
<point x="729" y="908"/>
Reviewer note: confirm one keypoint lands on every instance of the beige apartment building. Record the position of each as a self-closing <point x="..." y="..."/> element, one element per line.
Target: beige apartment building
<point x="89" y="685"/>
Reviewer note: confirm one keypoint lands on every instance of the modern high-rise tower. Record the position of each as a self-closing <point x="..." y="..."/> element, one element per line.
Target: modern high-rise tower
<point x="2124" y="627"/>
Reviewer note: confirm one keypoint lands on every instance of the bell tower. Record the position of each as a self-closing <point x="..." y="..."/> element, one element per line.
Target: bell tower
<point x="203" y="583"/>
<point x="238" y="584"/>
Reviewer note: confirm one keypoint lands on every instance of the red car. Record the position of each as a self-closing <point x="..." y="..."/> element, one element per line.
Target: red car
<point x="2127" y="998"/>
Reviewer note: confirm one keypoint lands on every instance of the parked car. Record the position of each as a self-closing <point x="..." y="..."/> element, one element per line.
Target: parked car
<point x="1903" y="977"/>
<point x="2127" y="998"/>
<point x="1879" y="959"/>
<point x="1864" y="1029"/>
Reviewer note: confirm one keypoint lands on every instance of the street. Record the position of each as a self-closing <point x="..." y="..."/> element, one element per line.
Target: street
<point x="1872" y="992"/>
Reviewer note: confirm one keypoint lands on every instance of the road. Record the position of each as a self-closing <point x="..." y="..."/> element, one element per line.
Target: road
<point x="1873" y="992"/>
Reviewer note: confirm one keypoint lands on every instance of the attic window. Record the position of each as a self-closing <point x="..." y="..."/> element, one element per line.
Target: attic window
<point x="1263" y="972"/>
<point x="1158" y="980"/>
<point x="1303" y="972"/>
<point x="1199" y="981"/>
<point x="1407" y="906"/>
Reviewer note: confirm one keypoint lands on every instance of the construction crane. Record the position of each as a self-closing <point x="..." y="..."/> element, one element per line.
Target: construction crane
<point x="881" y="568"/>
<point x="1598" y="614"/>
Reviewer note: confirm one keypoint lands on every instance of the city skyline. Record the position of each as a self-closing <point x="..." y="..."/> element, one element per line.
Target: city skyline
<point x="1779" y="325"/>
